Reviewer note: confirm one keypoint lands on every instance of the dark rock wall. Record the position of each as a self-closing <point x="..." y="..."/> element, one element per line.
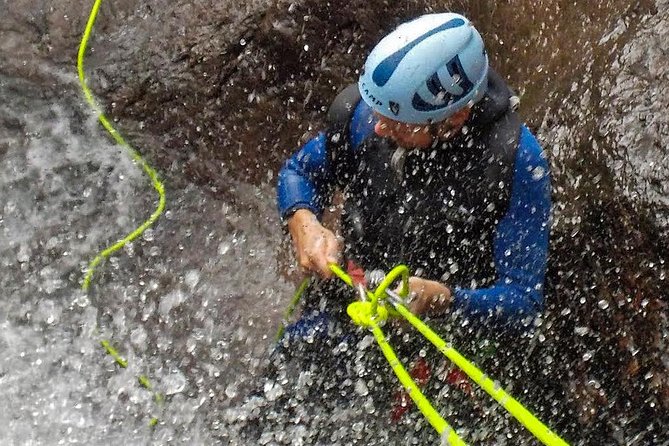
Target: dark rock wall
<point x="207" y="90"/>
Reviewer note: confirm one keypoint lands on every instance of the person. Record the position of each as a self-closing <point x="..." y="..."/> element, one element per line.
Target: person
<point x="436" y="171"/>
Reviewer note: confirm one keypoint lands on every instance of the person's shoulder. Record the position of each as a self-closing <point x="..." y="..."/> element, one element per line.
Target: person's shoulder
<point x="362" y="123"/>
<point x="350" y="115"/>
<point x="529" y="148"/>
<point x="343" y="106"/>
<point x="532" y="167"/>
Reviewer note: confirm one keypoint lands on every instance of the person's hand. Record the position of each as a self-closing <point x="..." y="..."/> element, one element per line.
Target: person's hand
<point x="315" y="246"/>
<point x="428" y="297"/>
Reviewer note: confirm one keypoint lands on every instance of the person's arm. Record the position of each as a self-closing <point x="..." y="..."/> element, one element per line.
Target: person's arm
<point x="304" y="188"/>
<point x="520" y="245"/>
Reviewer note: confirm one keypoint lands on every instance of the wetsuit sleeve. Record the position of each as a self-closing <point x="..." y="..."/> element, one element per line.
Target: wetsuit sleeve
<point x="520" y="244"/>
<point x="306" y="180"/>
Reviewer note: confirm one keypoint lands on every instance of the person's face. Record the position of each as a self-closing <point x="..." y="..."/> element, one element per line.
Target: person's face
<point x="406" y="135"/>
<point x="419" y="136"/>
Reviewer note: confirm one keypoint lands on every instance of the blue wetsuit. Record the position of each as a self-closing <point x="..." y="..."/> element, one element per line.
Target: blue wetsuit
<point x="520" y="240"/>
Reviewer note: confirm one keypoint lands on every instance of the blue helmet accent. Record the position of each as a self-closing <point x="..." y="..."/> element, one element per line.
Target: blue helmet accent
<point x="426" y="70"/>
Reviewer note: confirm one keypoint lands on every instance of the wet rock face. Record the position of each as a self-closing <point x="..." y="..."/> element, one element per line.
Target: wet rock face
<point x="36" y="34"/>
<point x="210" y="91"/>
<point x="638" y="123"/>
<point x="233" y="94"/>
<point x="234" y="90"/>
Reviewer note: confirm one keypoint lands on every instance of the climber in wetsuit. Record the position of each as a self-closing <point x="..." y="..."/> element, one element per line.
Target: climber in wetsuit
<point x="436" y="171"/>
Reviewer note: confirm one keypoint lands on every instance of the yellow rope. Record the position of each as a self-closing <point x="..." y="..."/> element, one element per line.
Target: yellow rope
<point x="291" y="308"/>
<point x="519" y="412"/>
<point x="157" y="184"/>
<point x="367" y="314"/>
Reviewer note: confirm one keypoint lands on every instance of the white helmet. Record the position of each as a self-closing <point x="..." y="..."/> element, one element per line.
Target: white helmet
<point x="426" y="70"/>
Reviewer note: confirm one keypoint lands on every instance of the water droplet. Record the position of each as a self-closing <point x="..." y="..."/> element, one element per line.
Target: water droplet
<point x="231" y="390"/>
<point x="24" y="253"/>
<point x="538" y="173"/>
<point x="272" y="390"/>
<point x="581" y="331"/>
<point x="216" y="354"/>
<point x="369" y="406"/>
<point x="223" y="248"/>
<point x="361" y="388"/>
<point x="148" y="235"/>
<point x="192" y="278"/>
<point x="81" y="300"/>
<point x="191" y="344"/>
<point x="138" y="337"/>
<point x="174" y="383"/>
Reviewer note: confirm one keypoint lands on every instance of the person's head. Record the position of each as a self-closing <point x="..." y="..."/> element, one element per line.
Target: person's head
<point x="422" y="79"/>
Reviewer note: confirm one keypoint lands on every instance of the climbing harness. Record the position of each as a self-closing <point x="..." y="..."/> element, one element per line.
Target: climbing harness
<point x="376" y="306"/>
<point x="157" y="185"/>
